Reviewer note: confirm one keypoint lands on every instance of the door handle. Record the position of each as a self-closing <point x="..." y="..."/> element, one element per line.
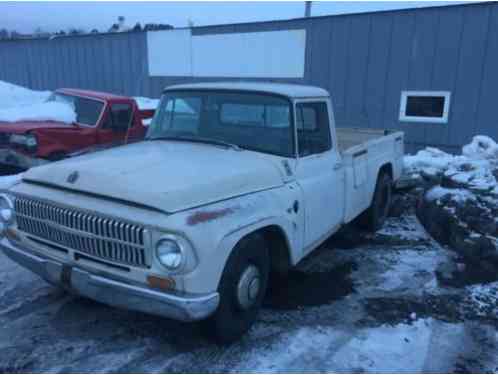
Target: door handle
<point x="337" y="166"/>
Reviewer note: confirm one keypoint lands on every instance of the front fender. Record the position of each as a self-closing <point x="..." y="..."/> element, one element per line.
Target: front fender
<point x="216" y="229"/>
<point x="48" y="145"/>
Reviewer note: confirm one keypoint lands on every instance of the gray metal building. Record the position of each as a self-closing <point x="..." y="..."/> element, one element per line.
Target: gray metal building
<point x="432" y="72"/>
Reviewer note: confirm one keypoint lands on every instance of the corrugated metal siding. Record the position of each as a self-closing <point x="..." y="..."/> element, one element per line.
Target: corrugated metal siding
<point x="113" y="62"/>
<point x="364" y="60"/>
<point x="487" y="118"/>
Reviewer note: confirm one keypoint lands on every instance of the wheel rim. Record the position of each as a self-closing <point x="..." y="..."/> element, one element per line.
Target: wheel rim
<point x="248" y="287"/>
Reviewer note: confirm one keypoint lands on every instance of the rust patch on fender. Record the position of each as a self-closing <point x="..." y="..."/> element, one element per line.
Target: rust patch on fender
<point x="205" y="216"/>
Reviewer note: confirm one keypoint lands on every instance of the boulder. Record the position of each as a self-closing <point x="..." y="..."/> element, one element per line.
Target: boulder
<point x="404" y="203"/>
<point x="459" y="206"/>
<point x="465" y="222"/>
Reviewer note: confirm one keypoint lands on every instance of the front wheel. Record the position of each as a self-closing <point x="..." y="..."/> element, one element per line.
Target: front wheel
<point x="242" y="289"/>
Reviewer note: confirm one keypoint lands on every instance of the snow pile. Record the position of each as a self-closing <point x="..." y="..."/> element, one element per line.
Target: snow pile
<point x="473" y="173"/>
<point x="146" y="103"/>
<point x="17" y="96"/>
<point x="431" y="161"/>
<point x="484" y="298"/>
<point x="481" y="147"/>
<point x="473" y="169"/>
<point x="457" y="195"/>
<point x="460" y="205"/>
<point x="47" y="111"/>
<point x="21" y="104"/>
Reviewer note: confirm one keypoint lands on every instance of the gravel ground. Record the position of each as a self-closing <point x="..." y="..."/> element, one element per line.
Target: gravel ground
<point x="358" y="304"/>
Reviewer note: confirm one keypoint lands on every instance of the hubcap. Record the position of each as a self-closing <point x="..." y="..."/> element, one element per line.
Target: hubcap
<point x="248" y="287"/>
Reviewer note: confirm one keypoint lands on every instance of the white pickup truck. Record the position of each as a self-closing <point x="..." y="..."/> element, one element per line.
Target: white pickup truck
<point x="233" y="182"/>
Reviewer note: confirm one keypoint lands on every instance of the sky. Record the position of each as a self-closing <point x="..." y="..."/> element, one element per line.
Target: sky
<point x="25" y="17"/>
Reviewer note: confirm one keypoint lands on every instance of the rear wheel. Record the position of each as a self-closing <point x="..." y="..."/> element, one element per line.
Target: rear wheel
<point x="375" y="216"/>
<point x="242" y="289"/>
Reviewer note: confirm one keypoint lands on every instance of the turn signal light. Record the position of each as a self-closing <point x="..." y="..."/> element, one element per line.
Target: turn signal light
<point x="163" y="283"/>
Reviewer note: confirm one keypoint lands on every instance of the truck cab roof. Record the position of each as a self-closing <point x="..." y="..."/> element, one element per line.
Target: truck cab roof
<point x="93" y="94"/>
<point x="284" y="89"/>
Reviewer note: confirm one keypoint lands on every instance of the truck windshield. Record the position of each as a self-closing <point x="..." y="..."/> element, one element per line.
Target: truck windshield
<point x="258" y="122"/>
<point x="87" y="110"/>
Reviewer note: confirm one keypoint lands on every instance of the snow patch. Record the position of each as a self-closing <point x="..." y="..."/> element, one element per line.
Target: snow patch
<point x="472" y="169"/>
<point x="408" y="229"/>
<point x="398" y="276"/>
<point x="484" y="298"/>
<point x="21" y="104"/>
<point x="431" y="160"/>
<point x="146" y="103"/>
<point x="458" y="195"/>
<point x="476" y="174"/>
<point x="17" y="96"/>
<point x="402" y="348"/>
<point x="481" y="147"/>
<point x="48" y="111"/>
<point x="395" y="349"/>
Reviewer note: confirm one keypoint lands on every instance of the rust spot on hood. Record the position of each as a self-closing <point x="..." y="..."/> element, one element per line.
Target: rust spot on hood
<point x="209" y="215"/>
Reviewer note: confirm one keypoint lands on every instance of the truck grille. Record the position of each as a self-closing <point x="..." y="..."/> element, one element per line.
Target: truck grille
<point x="104" y="238"/>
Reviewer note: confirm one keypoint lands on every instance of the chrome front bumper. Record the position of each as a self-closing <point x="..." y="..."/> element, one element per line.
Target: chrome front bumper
<point x="184" y="307"/>
<point x="17" y="159"/>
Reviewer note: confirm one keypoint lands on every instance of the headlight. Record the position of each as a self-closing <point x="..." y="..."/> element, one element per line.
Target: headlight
<point x="28" y="140"/>
<point x="31" y="141"/>
<point x="6" y="213"/>
<point x="169" y="253"/>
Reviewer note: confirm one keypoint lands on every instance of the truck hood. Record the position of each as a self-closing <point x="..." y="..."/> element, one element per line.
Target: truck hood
<point x="26" y="126"/>
<point x="167" y="175"/>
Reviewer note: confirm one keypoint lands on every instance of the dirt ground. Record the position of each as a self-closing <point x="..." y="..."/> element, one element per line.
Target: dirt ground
<point x="385" y="303"/>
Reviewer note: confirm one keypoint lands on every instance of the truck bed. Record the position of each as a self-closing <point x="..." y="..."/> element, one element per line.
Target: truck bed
<point x="348" y="138"/>
<point x="364" y="152"/>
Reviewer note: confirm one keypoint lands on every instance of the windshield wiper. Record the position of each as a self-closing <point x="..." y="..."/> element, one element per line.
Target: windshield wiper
<point x="195" y="140"/>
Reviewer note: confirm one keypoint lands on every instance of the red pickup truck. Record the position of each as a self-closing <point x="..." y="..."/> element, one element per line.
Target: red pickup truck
<point x="102" y="120"/>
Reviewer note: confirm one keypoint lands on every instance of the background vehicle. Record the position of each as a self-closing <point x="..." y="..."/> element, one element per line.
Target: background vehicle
<point x="234" y="182"/>
<point x="101" y="120"/>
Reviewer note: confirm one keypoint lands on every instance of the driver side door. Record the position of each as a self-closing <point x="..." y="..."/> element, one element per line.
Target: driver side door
<point x="117" y="120"/>
<point x="319" y="171"/>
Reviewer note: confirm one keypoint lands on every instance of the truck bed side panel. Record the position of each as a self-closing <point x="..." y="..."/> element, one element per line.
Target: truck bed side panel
<point x="362" y="163"/>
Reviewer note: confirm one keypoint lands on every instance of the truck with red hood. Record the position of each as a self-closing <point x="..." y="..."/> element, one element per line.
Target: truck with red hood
<point x="102" y="120"/>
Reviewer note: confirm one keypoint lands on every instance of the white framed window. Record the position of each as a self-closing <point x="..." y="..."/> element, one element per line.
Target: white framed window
<point x="425" y="106"/>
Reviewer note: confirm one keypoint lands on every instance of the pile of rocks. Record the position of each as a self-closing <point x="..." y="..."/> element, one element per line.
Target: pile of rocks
<point x="465" y="222"/>
<point x="457" y="200"/>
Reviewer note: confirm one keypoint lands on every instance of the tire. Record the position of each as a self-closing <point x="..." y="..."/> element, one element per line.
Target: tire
<point x="375" y="216"/>
<point x="232" y="320"/>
